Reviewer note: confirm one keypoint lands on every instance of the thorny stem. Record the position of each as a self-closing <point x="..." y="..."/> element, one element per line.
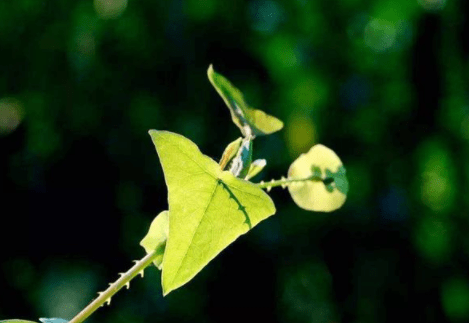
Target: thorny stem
<point x="124" y="280"/>
<point x="285" y="181"/>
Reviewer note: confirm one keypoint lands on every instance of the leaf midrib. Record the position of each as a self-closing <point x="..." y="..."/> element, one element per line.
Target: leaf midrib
<point x="195" y="231"/>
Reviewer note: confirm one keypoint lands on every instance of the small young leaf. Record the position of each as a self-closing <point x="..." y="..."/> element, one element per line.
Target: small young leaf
<point x="250" y="121"/>
<point x="208" y="208"/>
<point x="322" y="193"/>
<point x="256" y="167"/>
<point x="156" y="237"/>
<point x="339" y="178"/>
<point x="230" y="153"/>
<point x="242" y="161"/>
<point x="53" y="320"/>
<point x="16" y="321"/>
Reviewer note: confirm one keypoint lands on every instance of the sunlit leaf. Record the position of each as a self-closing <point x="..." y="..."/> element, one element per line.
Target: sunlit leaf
<point x="156" y="237"/>
<point x="256" y="167"/>
<point x="230" y="153"/>
<point x="327" y="188"/>
<point x="208" y="208"/>
<point x="248" y="120"/>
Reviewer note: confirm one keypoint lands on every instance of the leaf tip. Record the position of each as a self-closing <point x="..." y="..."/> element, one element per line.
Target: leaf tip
<point x="210" y="73"/>
<point x="152" y="132"/>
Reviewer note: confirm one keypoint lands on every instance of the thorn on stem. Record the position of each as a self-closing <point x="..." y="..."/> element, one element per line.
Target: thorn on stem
<point x="285" y="184"/>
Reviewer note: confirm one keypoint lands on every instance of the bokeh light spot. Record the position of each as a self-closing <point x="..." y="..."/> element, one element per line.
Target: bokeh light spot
<point x="455" y="298"/>
<point x="433" y="239"/>
<point x="265" y="15"/>
<point x="301" y="134"/>
<point x="282" y="55"/>
<point x="437" y="187"/>
<point x="308" y="92"/>
<point x="11" y="115"/>
<point x="432" y="4"/>
<point x="110" y="9"/>
<point x="379" y="35"/>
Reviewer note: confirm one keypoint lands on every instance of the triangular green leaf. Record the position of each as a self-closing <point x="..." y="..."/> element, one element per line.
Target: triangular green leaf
<point x="156" y="237"/>
<point x="327" y="187"/>
<point x="250" y="121"/>
<point x="208" y="208"/>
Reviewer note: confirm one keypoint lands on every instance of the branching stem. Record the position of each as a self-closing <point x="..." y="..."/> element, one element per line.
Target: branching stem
<point x="115" y="287"/>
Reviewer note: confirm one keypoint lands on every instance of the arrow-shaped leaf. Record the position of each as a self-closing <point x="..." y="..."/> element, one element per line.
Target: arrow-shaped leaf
<point x="208" y="208"/>
<point x="250" y="121"/>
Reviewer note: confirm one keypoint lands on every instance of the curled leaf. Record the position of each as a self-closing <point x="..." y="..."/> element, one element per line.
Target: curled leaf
<point x="242" y="161"/>
<point x="256" y="167"/>
<point x="156" y="237"/>
<point x="325" y="185"/>
<point x="250" y="121"/>
<point x="230" y="153"/>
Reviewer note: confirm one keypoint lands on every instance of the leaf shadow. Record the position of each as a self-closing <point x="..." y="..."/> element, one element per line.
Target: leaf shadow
<point x="240" y="206"/>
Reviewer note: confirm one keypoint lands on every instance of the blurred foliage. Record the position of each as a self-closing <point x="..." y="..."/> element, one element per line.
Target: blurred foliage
<point x="383" y="83"/>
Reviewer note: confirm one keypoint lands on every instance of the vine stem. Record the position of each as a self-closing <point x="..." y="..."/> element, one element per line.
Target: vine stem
<point x="115" y="287"/>
<point x="285" y="181"/>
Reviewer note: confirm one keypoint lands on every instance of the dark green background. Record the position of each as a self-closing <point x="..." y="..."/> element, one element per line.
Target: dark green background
<point x="383" y="83"/>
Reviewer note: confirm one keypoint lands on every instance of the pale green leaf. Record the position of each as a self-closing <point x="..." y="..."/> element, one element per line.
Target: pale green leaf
<point x="256" y="167"/>
<point x="327" y="187"/>
<point x="208" y="208"/>
<point x="230" y="153"/>
<point x="250" y="121"/>
<point x="156" y="237"/>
